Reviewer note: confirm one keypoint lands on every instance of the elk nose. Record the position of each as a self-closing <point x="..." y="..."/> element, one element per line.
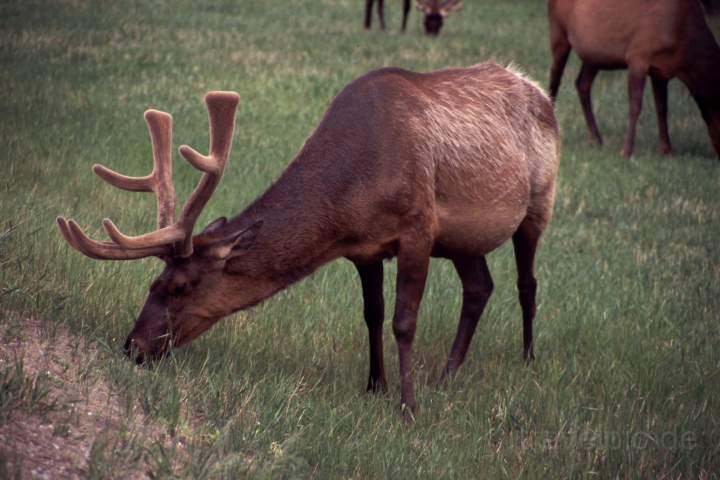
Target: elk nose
<point x="135" y="348"/>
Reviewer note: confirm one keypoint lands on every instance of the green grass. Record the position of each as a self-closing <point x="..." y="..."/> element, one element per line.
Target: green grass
<point x="23" y="393"/>
<point x="626" y="379"/>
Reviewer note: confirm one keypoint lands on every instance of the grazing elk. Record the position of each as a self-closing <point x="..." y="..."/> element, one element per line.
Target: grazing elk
<point x="435" y="12"/>
<point x="659" y="38"/>
<point x="410" y="165"/>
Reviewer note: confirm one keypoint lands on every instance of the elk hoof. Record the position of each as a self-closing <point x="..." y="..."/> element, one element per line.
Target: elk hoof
<point x="377" y="385"/>
<point x="445" y="377"/>
<point x="528" y="356"/>
<point x="408" y="412"/>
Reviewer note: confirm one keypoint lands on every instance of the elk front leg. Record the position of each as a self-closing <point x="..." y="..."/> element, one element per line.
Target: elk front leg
<point x="636" y="86"/>
<point x="371" y="277"/>
<point x="660" y="86"/>
<point x="413" y="260"/>
<point x="560" y="51"/>
<point x="477" y="288"/>
<point x="381" y="13"/>
<point x="406" y="11"/>
<point x="584" y="87"/>
<point x="368" y="13"/>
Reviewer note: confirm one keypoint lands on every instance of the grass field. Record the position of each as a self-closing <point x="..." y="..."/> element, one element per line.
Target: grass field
<point x="627" y="377"/>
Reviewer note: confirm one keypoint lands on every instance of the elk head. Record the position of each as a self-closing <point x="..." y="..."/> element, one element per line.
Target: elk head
<point x="191" y="293"/>
<point x="435" y="12"/>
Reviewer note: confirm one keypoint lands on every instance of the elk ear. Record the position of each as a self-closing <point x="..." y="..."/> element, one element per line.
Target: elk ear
<point x="234" y="244"/>
<point x="214" y="226"/>
<point x="452" y="7"/>
<point x="422" y="6"/>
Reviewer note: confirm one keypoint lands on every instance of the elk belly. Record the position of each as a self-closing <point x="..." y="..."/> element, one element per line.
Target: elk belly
<point x="473" y="230"/>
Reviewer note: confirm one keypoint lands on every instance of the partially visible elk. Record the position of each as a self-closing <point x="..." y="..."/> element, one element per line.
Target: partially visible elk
<point x="712" y="7"/>
<point x="662" y="39"/>
<point x="450" y="164"/>
<point x="381" y="13"/>
<point x="435" y="12"/>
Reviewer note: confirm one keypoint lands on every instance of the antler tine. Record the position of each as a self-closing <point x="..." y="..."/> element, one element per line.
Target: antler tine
<point x="160" y="179"/>
<point x="422" y="5"/>
<point x="221" y="112"/>
<point x="163" y="236"/>
<point x="450" y="5"/>
<point x="133" y="184"/>
<point x="160" y="127"/>
<point x="74" y="235"/>
<point x="65" y="232"/>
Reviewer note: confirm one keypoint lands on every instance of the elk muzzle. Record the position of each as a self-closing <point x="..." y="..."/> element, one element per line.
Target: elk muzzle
<point x="141" y="349"/>
<point x="433" y="24"/>
<point x="151" y="337"/>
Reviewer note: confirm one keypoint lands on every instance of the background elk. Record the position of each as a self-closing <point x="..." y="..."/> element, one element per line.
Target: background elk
<point x="435" y="12"/>
<point x="659" y="38"/>
<point x="448" y="164"/>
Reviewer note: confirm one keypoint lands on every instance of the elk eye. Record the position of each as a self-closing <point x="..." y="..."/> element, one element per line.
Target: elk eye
<point x="178" y="290"/>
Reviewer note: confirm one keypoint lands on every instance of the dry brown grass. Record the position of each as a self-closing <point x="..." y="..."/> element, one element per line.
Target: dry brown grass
<point x="59" y="443"/>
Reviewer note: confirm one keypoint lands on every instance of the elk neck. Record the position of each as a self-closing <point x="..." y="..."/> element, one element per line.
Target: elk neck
<point x="701" y="64"/>
<point x="299" y="231"/>
<point x="701" y="74"/>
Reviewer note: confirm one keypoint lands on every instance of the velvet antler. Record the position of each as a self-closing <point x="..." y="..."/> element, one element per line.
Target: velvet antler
<point x="171" y="238"/>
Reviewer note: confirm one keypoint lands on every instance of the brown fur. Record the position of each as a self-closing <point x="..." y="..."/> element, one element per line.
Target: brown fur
<point x="451" y="163"/>
<point x="660" y="38"/>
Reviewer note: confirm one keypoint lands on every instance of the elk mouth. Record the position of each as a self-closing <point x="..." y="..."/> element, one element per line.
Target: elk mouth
<point x="142" y="346"/>
<point x="141" y="351"/>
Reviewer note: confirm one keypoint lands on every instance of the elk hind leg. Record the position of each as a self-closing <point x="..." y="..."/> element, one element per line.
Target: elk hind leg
<point x="525" y="242"/>
<point x="584" y="87"/>
<point x="477" y="287"/>
<point x="368" y="13"/>
<point x="636" y="86"/>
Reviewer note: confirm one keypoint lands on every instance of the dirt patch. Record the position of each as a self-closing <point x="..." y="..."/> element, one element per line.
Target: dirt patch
<point x="67" y="439"/>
